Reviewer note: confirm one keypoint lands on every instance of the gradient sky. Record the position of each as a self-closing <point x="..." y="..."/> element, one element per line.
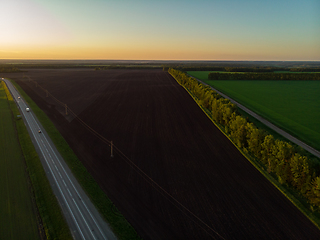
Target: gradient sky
<point x="160" y="30"/>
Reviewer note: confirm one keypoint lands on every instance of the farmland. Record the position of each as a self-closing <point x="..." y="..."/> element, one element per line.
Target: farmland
<point x="292" y="105"/>
<point x="208" y="189"/>
<point x="18" y="215"/>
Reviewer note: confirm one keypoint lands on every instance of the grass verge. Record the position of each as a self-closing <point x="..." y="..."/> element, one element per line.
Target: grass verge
<point x="54" y="224"/>
<point x="18" y="210"/>
<point x="119" y="225"/>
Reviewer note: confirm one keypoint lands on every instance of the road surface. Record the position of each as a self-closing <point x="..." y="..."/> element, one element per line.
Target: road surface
<point x="82" y="217"/>
<point x="269" y="124"/>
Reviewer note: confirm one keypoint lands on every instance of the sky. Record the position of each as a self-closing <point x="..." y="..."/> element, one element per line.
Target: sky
<point x="269" y="30"/>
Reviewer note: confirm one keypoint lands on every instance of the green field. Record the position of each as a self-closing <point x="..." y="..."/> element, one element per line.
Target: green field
<point x="18" y="218"/>
<point x="291" y="105"/>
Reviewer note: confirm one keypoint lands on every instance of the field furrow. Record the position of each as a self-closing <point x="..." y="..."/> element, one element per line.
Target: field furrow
<point x="201" y="188"/>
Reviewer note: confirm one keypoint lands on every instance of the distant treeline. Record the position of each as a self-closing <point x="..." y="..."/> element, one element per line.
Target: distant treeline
<point x="280" y="158"/>
<point x="47" y="66"/>
<point x="9" y="69"/>
<point x="92" y="66"/>
<point x="305" y="69"/>
<point x="254" y="69"/>
<point x="244" y="69"/>
<point x="219" y="65"/>
<point x="233" y="69"/>
<point x="263" y="76"/>
<point x="127" y="67"/>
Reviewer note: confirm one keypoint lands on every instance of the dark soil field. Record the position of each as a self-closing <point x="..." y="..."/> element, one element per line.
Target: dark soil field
<point x="208" y="189"/>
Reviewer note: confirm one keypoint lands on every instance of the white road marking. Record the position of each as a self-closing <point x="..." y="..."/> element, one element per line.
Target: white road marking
<point x="43" y="147"/>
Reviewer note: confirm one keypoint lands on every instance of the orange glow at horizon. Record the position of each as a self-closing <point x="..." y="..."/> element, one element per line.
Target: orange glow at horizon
<point x="150" y="53"/>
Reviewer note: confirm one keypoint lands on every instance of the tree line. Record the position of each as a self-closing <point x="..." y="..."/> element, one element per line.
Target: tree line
<point x="9" y="69"/>
<point x="264" y="66"/>
<point x="127" y="67"/>
<point x="257" y="69"/>
<point x="232" y="69"/>
<point x="263" y="76"/>
<point x="305" y="69"/>
<point x="278" y="157"/>
<point x="254" y="69"/>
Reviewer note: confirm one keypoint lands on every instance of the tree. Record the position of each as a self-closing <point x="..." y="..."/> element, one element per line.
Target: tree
<point x="238" y="131"/>
<point x="302" y="174"/>
<point x="255" y="138"/>
<point x="314" y="194"/>
<point x="283" y="152"/>
<point x="266" y="152"/>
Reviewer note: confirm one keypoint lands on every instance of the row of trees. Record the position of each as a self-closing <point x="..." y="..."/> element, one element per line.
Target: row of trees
<point x="232" y="69"/>
<point x="305" y="69"/>
<point x="254" y="69"/>
<point x="9" y="69"/>
<point x="278" y="157"/>
<point x="263" y="76"/>
<point x="147" y="66"/>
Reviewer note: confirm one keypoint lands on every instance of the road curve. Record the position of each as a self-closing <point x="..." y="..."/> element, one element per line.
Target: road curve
<point x="82" y="217"/>
<point x="269" y="124"/>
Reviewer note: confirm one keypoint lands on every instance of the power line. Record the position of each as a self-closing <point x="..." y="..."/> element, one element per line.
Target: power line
<point x="145" y="176"/>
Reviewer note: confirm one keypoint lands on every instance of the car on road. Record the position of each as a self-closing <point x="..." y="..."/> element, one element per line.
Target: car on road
<point x="28" y="109"/>
<point x="39" y="131"/>
<point x="19" y="97"/>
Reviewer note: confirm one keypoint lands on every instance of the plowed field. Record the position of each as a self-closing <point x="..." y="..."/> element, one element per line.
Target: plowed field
<point x="212" y="191"/>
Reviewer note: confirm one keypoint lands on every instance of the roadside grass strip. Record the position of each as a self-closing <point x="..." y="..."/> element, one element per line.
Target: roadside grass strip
<point x="52" y="220"/>
<point x="119" y="225"/>
<point x="18" y="218"/>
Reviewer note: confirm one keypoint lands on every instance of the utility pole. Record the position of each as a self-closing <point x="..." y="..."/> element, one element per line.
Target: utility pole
<point x="66" y="108"/>
<point x="111" y="145"/>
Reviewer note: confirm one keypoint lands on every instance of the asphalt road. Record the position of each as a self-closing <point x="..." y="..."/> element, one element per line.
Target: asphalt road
<point x="269" y="124"/>
<point x="82" y="217"/>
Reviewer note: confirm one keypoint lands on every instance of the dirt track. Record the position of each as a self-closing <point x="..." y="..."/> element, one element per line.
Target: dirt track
<point x="158" y="126"/>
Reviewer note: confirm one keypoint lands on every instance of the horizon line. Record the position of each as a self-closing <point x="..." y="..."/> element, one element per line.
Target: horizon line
<point x="160" y="60"/>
